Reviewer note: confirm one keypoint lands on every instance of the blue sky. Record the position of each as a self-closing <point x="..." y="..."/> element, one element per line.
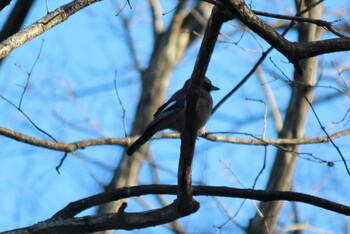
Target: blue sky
<point x="71" y="96"/>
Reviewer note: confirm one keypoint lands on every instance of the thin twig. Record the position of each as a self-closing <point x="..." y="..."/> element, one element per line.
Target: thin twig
<point x="128" y="38"/>
<point x="47" y="6"/>
<point x="61" y="162"/>
<point x="343" y="119"/>
<point x="276" y="115"/>
<point x="29" y="74"/>
<point x="121" y="104"/>
<point x="265" y="115"/>
<point x="261" y="59"/>
<point x="29" y="119"/>
<point x="318" y="22"/>
<point x="263" y="138"/>
<point x="231" y="218"/>
<point x="123" y="7"/>
<point x="317" y="118"/>
<point x="262" y="168"/>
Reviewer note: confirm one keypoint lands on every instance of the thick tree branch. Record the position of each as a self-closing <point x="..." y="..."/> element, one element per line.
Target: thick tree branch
<point x="4" y="3"/>
<point x="64" y="221"/>
<point x="52" y="19"/>
<point x="294" y="51"/>
<point x="119" y="220"/>
<point x="189" y="133"/>
<point x="321" y="23"/>
<point x="16" y="18"/>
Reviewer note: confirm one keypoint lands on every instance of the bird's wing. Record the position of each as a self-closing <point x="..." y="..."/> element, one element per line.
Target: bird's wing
<point x="161" y="121"/>
<point x="170" y="107"/>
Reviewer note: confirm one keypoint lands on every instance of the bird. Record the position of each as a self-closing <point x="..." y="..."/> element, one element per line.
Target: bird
<point x="171" y="115"/>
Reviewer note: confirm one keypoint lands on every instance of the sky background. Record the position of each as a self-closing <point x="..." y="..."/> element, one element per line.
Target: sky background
<point x="71" y="96"/>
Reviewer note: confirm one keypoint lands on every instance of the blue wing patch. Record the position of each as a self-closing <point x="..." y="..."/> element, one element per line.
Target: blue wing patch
<point x="178" y="103"/>
<point x="174" y="105"/>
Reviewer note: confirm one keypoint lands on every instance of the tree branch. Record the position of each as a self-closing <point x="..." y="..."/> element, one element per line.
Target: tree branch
<point x="52" y="19"/>
<point x="4" y="3"/>
<point x="119" y="220"/>
<point x="64" y="221"/>
<point x="293" y="51"/>
<point x="71" y="147"/>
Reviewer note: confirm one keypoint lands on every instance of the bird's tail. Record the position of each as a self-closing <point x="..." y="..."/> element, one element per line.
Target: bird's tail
<point x="139" y="142"/>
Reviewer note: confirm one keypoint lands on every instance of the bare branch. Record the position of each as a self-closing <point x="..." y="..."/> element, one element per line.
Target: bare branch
<point x="29" y="74"/>
<point x="121" y="104"/>
<point x="129" y="39"/>
<point x="318" y="119"/>
<point x="70" y="147"/>
<point x="119" y="220"/>
<point x="4" y="3"/>
<point x="189" y="132"/>
<point x="16" y="18"/>
<point x="321" y="23"/>
<point x="257" y="64"/>
<point x="280" y="141"/>
<point x="28" y="118"/>
<point x="52" y="19"/>
<point x="276" y="115"/>
<point x="294" y="51"/>
<point x="74" y="208"/>
<point x="62" y="146"/>
<point x="64" y="221"/>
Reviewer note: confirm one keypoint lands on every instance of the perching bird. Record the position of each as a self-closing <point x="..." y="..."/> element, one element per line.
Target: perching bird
<point x="171" y="115"/>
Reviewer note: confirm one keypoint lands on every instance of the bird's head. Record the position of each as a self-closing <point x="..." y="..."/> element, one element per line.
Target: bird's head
<point x="207" y="85"/>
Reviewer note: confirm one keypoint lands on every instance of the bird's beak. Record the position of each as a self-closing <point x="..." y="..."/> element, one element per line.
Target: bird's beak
<point x="214" y="88"/>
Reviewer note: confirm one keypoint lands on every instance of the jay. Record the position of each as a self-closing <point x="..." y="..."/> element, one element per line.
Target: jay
<point x="171" y="115"/>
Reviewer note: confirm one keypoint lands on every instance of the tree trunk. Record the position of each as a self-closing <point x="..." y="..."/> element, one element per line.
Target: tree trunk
<point x="281" y="174"/>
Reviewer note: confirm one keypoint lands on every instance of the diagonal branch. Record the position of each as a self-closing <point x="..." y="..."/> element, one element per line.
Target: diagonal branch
<point x="15" y="19"/>
<point x="4" y="3"/>
<point x="260" y="61"/>
<point x="189" y="133"/>
<point x="293" y="51"/>
<point x="50" y="20"/>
